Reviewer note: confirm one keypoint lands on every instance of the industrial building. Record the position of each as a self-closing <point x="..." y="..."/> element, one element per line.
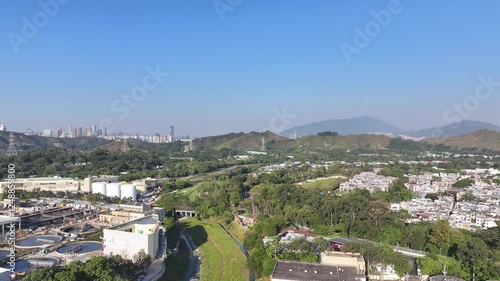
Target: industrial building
<point x="143" y="186"/>
<point x="48" y="183"/>
<point x="8" y="220"/>
<point x="56" y="184"/>
<point x="87" y="182"/>
<point x="123" y="215"/>
<point x="334" y="266"/>
<point x="128" y="239"/>
<point x="122" y="191"/>
<point x="299" y="271"/>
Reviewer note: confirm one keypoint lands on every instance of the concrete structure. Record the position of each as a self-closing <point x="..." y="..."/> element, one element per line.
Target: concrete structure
<point x="145" y="185"/>
<point x="344" y="260"/>
<point x="5" y="274"/>
<point x="87" y="182"/>
<point x="123" y="216"/>
<point x="130" y="238"/>
<point x="184" y="213"/>
<point x="8" y="220"/>
<point x="113" y="190"/>
<point x="298" y="271"/>
<point x="3" y="127"/>
<point x="128" y="191"/>
<point x="53" y="184"/>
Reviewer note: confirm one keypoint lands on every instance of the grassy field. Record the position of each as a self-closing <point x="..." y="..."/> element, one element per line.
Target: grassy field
<point x="222" y="259"/>
<point x="324" y="183"/>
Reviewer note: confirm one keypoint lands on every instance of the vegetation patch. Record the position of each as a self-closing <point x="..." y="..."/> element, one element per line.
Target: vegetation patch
<point x="222" y="259"/>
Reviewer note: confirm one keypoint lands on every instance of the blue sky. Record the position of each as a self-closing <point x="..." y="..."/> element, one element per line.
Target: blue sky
<point x="231" y="73"/>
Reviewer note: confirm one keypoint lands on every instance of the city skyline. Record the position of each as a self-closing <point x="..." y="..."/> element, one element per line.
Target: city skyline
<point x="211" y="73"/>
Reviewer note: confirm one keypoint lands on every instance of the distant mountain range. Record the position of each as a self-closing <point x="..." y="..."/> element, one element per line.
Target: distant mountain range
<point x="371" y="125"/>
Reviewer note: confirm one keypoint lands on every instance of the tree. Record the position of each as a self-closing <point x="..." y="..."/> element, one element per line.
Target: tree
<point x="473" y="252"/>
<point x="142" y="260"/>
<point x="441" y="236"/>
<point x="463" y="183"/>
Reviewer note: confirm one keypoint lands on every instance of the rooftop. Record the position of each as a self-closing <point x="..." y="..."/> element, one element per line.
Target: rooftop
<point x="145" y="225"/>
<point x="288" y="270"/>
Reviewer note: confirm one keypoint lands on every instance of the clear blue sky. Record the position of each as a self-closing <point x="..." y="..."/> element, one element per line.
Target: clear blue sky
<point x="228" y="75"/>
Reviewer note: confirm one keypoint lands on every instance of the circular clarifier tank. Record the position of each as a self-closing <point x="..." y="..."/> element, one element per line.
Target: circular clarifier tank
<point x="29" y="265"/>
<point x="80" y="248"/>
<point x="4" y="254"/>
<point x="39" y="241"/>
<point x="78" y="230"/>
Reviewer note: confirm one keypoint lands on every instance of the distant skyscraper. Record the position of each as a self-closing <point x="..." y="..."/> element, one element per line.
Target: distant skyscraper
<point x="47" y="132"/>
<point x="70" y="131"/>
<point x="3" y="127"/>
<point x="93" y="129"/>
<point x="80" y="132"/>
<point x="171" y="133"/>
<point x="60" y="132"/>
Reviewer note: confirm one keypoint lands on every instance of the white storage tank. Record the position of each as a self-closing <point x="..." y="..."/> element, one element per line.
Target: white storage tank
<point x="129" y="190"/>
<point x="113" y="190"/>
<point x="99" y="187"/>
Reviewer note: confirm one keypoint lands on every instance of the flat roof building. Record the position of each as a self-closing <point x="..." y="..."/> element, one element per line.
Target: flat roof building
<point x="299" y="271"/>
<point x="53" y="184"/>
<point x="129" y="238"/>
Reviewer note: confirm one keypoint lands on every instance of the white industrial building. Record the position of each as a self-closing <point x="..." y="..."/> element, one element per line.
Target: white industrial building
<point x="130" y="238"/>
<point x="115" y="190"/>
<point x="87" y="183"/>
<point x="48" y="183"/>
<point x="128" y="191"/>
<point x="55" y="184"/>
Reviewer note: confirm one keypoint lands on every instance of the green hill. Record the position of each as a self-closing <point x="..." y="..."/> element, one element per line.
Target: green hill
<point x="252" y="141"/>
<point x="24" y="142"/>
<point x="484" y="139"/>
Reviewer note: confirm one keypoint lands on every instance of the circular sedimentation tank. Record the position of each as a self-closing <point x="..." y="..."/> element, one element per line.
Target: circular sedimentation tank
<point x="71" y="230"/>
<point x="38" y="241"/>
<point x="4" y="254"/>
<point x="29" y="265"/>
<point x="80" y="248"/>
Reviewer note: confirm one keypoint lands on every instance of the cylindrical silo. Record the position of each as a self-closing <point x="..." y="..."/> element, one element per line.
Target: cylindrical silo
<point x="128" y="191"/>
<point x="99" y="187"/>
<point x="113" y="190"/>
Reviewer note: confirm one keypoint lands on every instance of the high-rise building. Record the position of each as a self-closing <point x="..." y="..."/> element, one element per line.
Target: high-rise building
<point x="71" y="132"/>
<point x="3" y="127"/>
<point x="80" y="132"/>
<point x="171" y="133"/>
<point x="93" y="130"/>
<point x="47" y="132"/>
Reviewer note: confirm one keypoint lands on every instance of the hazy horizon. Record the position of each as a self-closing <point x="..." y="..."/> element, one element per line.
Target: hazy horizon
<point x="232" y="71"/>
